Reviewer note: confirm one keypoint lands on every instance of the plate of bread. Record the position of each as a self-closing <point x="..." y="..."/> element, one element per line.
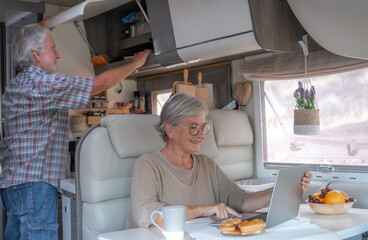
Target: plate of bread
<point x="235" y="226"/>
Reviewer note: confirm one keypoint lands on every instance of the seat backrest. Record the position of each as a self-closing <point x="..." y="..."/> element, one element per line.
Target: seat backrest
<point x="234" y="142"/>
<point x="107" y="153"/>
<point x="105" y="167"/>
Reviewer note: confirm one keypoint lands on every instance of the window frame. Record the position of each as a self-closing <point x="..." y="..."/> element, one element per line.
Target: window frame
<point x="154" y="95"/>
<point x="267" y="169"/>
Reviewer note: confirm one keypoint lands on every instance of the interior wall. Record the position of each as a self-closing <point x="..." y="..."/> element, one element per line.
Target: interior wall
<point x="217" y="75"/>
<point x="126" y="95"/>
<point x="249" y="108"/>
<point x="76" y="59"/>
<point x="238" y="77"/>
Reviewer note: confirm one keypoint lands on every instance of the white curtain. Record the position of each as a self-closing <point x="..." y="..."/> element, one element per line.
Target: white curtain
<point x="281" y="66"/>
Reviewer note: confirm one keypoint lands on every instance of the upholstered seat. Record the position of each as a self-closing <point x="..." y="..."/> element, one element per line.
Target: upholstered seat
<point x="107" y="153"/>
<point x="104" y="170"/>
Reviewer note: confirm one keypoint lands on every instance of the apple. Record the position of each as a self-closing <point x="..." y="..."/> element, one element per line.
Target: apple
<point x="346" y="196"/>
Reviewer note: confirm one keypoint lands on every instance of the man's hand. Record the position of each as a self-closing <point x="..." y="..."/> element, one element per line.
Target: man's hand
<point x="45" y="22"/>
<point x="140" y="57"/>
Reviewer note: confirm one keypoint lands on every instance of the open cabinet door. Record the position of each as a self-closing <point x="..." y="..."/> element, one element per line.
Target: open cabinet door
<point x="85" y="10"/>
<point x="75" y="55"/>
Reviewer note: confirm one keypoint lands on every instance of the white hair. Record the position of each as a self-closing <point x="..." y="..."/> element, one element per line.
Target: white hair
<point x="30" y="37"/>
<point x="178" y="107"/>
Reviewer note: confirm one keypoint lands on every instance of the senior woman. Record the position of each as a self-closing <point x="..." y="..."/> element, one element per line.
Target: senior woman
<point x="175" y="175"/>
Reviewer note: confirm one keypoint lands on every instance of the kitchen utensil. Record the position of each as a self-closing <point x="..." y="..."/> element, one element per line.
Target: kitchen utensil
<point x="186" y="87"/>
<point x="201" y="92"/>
<point x="78" y="123"/>
<point x="243" y="92"/>
<point x="99" y="60"/>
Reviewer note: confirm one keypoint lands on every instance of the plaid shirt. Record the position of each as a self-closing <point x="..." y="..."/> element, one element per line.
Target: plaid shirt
<point x="35" y="109"/>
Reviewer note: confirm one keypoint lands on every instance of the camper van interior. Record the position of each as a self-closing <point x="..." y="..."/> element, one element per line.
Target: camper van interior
<point x="286" y="83"/>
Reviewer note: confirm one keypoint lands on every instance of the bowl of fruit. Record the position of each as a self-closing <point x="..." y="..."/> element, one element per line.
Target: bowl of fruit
<point x="330" y="202"/>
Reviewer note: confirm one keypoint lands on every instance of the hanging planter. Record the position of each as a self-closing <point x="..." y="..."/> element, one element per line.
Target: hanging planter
<point x="306" y="112"/>
<point x="306" y="121"/>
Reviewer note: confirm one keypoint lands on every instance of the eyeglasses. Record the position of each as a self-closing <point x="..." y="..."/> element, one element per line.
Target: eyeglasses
<point x="194" y="129"/>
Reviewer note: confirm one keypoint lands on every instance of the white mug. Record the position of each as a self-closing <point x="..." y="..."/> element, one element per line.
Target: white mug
<point x="174" y="221"/>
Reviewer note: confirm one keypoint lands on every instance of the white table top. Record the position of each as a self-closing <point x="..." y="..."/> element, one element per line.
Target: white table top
<point x="346" y="225"/>
<point x="308" y="223"/>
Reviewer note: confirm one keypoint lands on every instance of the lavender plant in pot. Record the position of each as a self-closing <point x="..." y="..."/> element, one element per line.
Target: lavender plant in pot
<point x="306" y="112"/>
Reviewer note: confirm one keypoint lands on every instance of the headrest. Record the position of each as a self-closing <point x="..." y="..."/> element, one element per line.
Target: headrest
<point x="231" y="127"/>
<point x="133" y="135"/>
<point x="208" y="145"/>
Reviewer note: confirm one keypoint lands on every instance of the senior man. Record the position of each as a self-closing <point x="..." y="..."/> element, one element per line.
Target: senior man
<point x="34" y="151"/>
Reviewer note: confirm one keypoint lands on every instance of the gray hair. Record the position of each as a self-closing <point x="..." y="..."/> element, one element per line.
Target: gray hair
<point x="178" y="107"/>
<point x="30" y="37"/>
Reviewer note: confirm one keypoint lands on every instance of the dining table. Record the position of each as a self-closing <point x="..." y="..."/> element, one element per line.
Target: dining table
<point x="307" y="225"/>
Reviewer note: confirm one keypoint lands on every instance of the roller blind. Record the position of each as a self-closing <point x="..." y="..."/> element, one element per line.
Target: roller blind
<point x="282" y="66"/>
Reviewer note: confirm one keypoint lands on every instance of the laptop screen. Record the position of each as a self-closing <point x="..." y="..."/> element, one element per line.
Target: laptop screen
<point x="286" y="196"/>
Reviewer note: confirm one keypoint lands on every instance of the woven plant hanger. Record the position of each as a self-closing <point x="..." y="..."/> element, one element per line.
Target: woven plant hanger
<point x="306" y="117"/>
<point x="306" y="80"/>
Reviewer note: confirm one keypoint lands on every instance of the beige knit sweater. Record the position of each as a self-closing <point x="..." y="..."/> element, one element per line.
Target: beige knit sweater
<point x="154" y="185"/>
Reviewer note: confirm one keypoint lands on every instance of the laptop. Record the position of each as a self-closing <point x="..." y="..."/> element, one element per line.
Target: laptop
<point x="285" y="199"/>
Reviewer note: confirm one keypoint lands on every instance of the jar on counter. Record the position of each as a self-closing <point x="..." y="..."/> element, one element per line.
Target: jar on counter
<point x="142" y="102"/>
<point x="136" y="100"/>
<point x="78" y="123"/>
<point x="104" y="104"/>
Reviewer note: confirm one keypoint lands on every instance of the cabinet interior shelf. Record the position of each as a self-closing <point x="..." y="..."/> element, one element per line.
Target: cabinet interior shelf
<point x="134" y="41"/>
<point x="96" y="109"/>
<point x="98" y="101"/>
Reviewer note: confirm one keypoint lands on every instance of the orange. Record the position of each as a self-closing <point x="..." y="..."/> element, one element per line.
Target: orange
<point x="334" y="197"/>
<point x="316" y="195"/>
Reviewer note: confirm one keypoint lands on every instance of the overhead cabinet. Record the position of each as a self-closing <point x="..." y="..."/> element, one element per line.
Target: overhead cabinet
<point x="190" y="32"/>
<point x="337" y="25"/>
<point x="120" y="32"/>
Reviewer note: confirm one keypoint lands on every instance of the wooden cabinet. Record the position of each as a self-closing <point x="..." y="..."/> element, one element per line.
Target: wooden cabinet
<point x="91" y="120"/>
<point x="108" y="34"/>
<point x="276" y="28"/>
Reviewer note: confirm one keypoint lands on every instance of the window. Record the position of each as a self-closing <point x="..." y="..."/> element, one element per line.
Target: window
<point x="342" y="140"/>
<point x="158" y="100"/>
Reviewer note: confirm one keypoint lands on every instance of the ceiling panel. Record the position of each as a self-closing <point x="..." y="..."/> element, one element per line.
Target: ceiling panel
<point x="67" y="3"/>
<point x="14" y="10"/>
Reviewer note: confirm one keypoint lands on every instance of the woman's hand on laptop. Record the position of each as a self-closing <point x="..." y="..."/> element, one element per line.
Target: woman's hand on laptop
<point x="219" y="211"/>
<point x="306" y="180"/>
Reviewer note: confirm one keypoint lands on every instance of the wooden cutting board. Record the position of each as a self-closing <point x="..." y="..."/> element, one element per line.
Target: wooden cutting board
<point x="201" y="92"/>
<point x="186" y="87"/>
